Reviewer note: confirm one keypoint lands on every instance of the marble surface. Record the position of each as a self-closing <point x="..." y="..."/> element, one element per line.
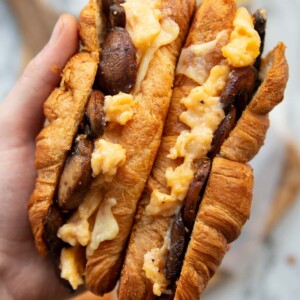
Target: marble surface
<point x="261" y="270"/>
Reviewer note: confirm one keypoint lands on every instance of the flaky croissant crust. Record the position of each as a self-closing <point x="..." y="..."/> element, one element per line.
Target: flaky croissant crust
<point x="227" y="200"/>
<point x="63" y="110"/>
<point x="226" y="204"/>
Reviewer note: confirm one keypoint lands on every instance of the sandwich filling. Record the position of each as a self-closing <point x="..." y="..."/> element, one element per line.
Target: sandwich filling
<point x="205" y="113"/>
<point x="137" y="29"/>
<point x="149" y="30"/>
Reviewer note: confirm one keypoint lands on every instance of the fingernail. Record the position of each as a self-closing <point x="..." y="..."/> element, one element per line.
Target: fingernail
<point x="57" y="30"/>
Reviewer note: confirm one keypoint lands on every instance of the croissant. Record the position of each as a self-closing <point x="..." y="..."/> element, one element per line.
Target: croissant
<point x="198" y="195"/>
<point x="103" y="129"/>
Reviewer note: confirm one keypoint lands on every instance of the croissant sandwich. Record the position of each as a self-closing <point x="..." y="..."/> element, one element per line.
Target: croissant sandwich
<point x="103" y="129"/>
<point x="199" y="192"/>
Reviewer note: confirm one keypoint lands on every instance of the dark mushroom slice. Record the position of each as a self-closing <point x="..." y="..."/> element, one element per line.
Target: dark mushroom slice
<point x="241" y="103"/>
<point x="76" y="175"/>
<point x="192" y="199"/>
<point x="117" y="16"/>
<point x="118" y="65"/>
<point x="241" y="81"/>
<point x="178" y="237"/>
<point x="53" y="221"/>
<point x="183" y="223"/>
<point x="260" y="22"/>
<point x="95" y="117"/>
<point x="223" y="132"/>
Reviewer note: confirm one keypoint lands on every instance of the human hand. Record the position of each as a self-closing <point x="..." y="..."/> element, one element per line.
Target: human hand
<point x="23" y="273"/>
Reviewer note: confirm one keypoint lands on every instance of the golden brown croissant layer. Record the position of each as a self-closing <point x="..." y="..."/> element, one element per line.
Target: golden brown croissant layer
<point x="224" y="210"/>
<point x="249" y="134"/>
<point x="55" y="140"/>
<point x="222" y="215"/>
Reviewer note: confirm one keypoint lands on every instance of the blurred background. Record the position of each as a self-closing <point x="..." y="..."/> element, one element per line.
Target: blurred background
<point x="264" y="264"/>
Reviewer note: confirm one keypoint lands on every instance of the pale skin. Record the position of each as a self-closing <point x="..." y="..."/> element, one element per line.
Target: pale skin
<point x="23" y="273"/>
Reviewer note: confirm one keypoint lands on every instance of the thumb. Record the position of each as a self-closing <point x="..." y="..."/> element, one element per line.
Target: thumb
<point x="22" y="108"/>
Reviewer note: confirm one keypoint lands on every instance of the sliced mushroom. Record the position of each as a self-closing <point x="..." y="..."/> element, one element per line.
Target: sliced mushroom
<point x="76" y="175"/>
<point x="260" y="22"/>
<point x="241" y="81"/>
<point x="95" y="117"/>
<point x="117" y="16"/>
<point x="118" y="66"/>
<point x="184" y="222"/>
<point x="53" y="221"/>
<point x="192" y="199"/>
<point x="177" y="248"/>
<point x="222" y="132"/>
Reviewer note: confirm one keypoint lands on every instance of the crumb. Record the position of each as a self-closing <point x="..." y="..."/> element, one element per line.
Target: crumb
<point x="55" y="69"/>
<point x="291" y="260"/>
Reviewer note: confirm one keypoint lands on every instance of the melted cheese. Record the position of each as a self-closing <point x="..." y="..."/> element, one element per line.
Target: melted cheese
<point x="203" y="115"/>
<point x="204" y="111"/>
<point x="119" y="108"/>
<point x="77" y="229"/>
<point x="70" y="266"/>
<point x="244" y="44"/>
<point x="179" y="180"/>
<point x="161" y="204"/>
<point x="107" y="157"/>
<point x="143" y="21"/>
<point x="154" y="264"/>
<point x="106" y="226"/>
<point x="169" y="33"/>
<point x="149" y="31"/>
<point x="195" y="62"/>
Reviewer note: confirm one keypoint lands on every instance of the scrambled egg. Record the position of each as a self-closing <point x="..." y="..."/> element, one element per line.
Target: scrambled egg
<point x="71" y="266"/>
<point x="154" y="264"/>
<point x="203" y="115"/>
<point x="119" y="108"/>
<point x="107" y="157"/>
<point x="105" y="228"/>
<point x="244" y="43"/>
<point x="149" y="31"/>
